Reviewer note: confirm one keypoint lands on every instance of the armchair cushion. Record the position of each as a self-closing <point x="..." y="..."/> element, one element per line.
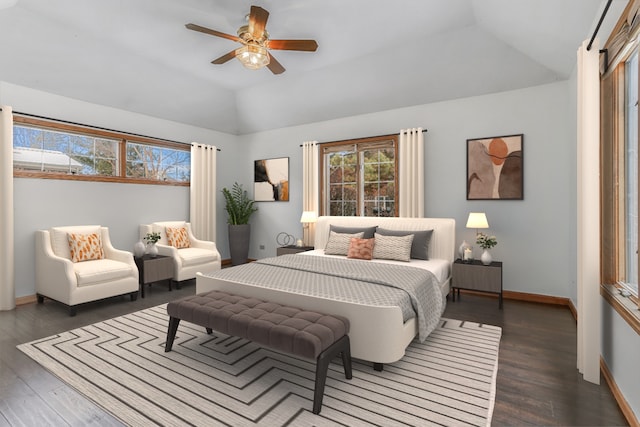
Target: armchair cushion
<point x="178" y="237"/>
<point x="85" y="247"/>
<point x="196" y="256"/>
<point x="98" y="271"/>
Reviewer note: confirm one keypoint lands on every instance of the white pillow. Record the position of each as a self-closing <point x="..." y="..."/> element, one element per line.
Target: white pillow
<point x="338" y="243"/>
<point x="393" y="247"/>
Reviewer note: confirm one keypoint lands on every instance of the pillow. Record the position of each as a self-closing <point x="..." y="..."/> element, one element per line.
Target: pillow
<point x="178" y="237"/>
<point x="368" y="231"/>
<point x="393" y="247"/>
<point x="421" y="239"/>
<point x="338" y="243"/>
<point x="60" y="237"/>
<point x="85" y="247"/>
<point x="360" y="248"/>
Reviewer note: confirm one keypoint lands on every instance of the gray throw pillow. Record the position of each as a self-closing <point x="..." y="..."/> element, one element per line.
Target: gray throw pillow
<point x="368" y="231"/>
<point x="421" y="239"/>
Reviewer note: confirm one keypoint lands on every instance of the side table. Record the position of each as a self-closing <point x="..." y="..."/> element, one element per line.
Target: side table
<point x="476" y="276"/>
<point x="154" y="269"/>
<point x="292" y="249"/>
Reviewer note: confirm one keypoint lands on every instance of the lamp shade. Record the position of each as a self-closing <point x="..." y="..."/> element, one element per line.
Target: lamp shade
<point x="308" y="216"/>
<point x="477" y="220"/>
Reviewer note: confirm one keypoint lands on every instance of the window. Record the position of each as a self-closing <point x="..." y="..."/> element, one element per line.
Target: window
<point x="47" y="150"/>
<point x="619" y="185"/>
<point x="359" y="177"/>
<point x="50" y="149"/>
<point x="157" y="163"/>
<point x="631" y="174"/>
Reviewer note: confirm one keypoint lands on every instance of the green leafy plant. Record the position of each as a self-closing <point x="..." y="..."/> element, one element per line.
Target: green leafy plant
<point x="238" y="205"/>
<point x="152" y="238"/>
<point x="486" y="242"/>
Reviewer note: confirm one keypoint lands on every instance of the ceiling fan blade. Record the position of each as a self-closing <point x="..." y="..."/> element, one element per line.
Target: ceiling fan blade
<point x="305" y="45"/>
<point x="275" y="66"/>
<point x="224" y="58"/>
<point x="209" y="31"/>
<point x="257" y="22"/>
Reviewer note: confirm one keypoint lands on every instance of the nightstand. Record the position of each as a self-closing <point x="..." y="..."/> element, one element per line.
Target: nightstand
<point x="154" y="269"/>
<point x="292" y="249"/>
<point x="476" y="276"/>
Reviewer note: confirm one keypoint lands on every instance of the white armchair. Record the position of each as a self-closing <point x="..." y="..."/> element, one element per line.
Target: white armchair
<point x="201" y="255"/>
<point x="59" y="278"/>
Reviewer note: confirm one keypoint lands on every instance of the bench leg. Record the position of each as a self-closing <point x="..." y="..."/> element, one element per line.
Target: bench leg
<point x="346" y="359"/>
<point x="171" y="333"/>
<point x="322" y="366"/>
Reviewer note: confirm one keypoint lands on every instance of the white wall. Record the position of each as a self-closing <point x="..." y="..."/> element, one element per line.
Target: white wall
<point x="536" y="236"/>
<point x="42" y="203"/>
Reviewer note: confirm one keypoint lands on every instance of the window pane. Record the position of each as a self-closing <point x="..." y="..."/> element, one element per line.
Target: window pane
<point x="48" y="150"/>
<point x="631" y="171"/>
<point x="157" y="163"/>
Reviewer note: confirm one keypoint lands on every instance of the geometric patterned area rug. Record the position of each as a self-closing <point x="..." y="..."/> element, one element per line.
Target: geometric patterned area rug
<point x="207" y="380"/>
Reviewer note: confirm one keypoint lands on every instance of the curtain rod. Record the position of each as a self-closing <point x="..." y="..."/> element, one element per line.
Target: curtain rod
<point x="35" y="116"/>
<point x="595" y="32"/>
<point x="363" y="137"/>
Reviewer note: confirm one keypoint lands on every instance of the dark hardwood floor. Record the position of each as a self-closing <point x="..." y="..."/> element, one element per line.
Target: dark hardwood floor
<point x="537" y="383"/>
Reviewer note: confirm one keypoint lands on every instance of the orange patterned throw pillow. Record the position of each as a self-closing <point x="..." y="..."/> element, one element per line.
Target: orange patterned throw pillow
<point x="85" y="247"/>
<point x="178" y="237"/>
<point x="360" y="248"/>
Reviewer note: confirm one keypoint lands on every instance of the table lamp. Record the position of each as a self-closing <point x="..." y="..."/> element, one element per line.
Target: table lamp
<point x="307" y="218"/>
<point x="477" y="220"/>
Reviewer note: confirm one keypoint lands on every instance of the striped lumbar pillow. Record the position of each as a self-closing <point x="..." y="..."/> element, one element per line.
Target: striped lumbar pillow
<point x="338" y="243"/>
<point x="393" y="247"/>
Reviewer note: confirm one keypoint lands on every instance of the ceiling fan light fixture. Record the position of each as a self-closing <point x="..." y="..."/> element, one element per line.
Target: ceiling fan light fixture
<point x="253" y="56"/>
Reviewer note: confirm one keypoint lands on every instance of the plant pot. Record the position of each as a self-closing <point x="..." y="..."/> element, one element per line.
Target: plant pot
<point x="239" y="235"/>
<point x="152" y="250"/>
<point x="486" y="257"/>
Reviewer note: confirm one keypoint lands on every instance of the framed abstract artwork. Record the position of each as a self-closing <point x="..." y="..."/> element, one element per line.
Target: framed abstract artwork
<point x="495" y="168"/>
<point x="271" y="180"/>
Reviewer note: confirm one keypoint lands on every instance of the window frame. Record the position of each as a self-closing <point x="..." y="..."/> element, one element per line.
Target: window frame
<point x="613" y="186"/>
<point x="361" y="144"/>
<point x="122" y="137"/>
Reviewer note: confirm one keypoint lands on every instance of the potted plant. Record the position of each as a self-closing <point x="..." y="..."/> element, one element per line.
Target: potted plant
<point x="486" y="243"/>
<point x="239" y="208"/>
<point x="152" y="239"/>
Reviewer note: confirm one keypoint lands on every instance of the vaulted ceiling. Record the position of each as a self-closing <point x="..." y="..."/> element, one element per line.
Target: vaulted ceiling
<point x="373" y="55"/>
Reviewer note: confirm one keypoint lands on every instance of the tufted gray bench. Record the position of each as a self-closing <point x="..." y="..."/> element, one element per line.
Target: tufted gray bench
<point x="290" y="330"/>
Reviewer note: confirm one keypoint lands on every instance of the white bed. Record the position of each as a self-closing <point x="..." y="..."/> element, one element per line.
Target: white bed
<point x="377" y="333"/>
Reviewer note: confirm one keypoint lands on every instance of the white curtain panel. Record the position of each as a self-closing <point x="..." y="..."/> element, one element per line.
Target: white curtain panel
<point x="203" y="191"/>
<point x="588" y="224"/>
<point x="411" y="183"/>
<point x="310" y="183"/>
<point x="7" y="269"/>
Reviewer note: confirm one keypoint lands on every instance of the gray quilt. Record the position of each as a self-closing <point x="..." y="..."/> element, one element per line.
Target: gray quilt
<point x="414" y="290"/>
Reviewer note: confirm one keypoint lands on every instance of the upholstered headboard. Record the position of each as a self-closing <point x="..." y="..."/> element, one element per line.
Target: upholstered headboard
<point x="442" y="243"/>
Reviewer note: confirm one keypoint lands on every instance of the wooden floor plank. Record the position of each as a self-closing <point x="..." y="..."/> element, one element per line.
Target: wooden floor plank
<point x="537" y="382"/>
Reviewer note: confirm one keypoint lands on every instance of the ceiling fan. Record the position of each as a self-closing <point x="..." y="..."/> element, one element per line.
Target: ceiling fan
<point x="256" y="43"/>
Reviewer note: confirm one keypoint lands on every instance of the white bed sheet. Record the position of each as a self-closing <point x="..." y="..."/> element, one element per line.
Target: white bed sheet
<point x="441" y="268"/>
